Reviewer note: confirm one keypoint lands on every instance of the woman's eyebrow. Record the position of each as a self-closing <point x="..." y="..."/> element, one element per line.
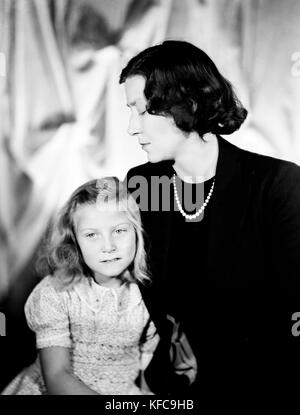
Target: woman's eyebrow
<point x="135" y="102"/>
<point x="131" y="104"/>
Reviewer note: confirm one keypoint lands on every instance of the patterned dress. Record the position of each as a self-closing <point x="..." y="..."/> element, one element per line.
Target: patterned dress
<point x="103" y="328"/>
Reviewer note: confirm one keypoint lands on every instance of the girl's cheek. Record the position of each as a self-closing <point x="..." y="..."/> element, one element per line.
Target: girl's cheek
<point x="128" y="243"/>
<point x="125" y="244"/>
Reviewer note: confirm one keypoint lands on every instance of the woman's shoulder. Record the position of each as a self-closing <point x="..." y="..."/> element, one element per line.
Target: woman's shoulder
<point x="263" y="165"/>
<point x="279" y="171"/>
<point x="280" y="179"/>
<point x="267" y="162"/>
<point x="262" y="161"/>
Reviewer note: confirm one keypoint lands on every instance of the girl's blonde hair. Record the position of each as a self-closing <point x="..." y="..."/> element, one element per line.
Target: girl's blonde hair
<point x="61" y="255"/>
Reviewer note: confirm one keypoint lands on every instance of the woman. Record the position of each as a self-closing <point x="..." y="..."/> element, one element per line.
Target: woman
<point x="227" y="270"/>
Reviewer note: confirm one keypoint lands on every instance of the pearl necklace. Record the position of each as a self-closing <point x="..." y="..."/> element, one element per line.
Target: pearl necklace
<point x="200" y="210"/>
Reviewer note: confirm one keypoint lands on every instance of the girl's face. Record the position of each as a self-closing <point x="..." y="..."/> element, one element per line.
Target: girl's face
<point x="158" y="135"/>
<point x="107" y="241"/>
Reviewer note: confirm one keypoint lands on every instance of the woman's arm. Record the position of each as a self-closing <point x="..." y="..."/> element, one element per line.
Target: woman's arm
<point x="58" y="377"/>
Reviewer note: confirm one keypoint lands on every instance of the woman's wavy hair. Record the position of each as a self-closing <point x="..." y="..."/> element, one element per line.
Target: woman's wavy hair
<point x="60" y="254"/>
<point x="183" y="82"/>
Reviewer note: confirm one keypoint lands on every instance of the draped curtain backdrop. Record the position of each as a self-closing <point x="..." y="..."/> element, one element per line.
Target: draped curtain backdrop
<point x="63" y="114"/>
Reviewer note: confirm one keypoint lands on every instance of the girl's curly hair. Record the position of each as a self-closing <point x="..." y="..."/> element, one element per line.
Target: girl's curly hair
<point x="60" y="254"/>
<point x="183" y="82"/>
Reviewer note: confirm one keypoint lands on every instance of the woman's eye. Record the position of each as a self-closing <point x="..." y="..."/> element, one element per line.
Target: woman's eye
<point x="143" y="112"/>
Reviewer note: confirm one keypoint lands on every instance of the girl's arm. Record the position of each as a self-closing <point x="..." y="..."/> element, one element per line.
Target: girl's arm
<point x="57" y="373"/>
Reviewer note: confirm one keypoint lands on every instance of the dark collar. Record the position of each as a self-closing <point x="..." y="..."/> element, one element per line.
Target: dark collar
<point x="230" y="201"/>
<point x="228" y="159"/>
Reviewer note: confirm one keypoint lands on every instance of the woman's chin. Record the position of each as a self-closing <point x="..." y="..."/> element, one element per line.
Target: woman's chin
<point x="153" y="159"/>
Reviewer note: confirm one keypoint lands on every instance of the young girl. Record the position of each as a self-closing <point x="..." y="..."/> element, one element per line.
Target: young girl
<point x="93" y="331"/>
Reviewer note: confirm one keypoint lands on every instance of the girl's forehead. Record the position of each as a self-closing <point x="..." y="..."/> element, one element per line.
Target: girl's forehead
<point x="101" y="213"/>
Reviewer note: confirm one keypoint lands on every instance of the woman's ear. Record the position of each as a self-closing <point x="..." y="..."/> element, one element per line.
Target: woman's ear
<point x="194" y="105"/>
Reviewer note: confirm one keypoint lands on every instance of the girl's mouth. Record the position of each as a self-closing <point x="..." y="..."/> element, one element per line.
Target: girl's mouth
<point x="107" y="261"/>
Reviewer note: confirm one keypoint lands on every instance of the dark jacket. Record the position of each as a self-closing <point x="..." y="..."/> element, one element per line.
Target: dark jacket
<point x="253" y="268"/>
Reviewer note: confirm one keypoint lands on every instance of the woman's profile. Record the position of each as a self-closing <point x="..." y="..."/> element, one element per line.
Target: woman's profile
<point x="225" y="264"/>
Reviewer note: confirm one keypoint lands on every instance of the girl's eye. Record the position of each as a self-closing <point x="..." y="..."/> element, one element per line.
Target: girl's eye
<point x="143" y="112"/>
<point x="120" y="231"/>
<point x="91" y="235"/>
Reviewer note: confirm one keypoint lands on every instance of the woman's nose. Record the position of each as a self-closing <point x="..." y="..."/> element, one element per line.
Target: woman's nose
<point x="134" y="126"/>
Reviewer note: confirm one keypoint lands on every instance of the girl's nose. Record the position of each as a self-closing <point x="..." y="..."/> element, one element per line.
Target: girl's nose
<point x="134" y="126"/>
<point x="108" y="245"/>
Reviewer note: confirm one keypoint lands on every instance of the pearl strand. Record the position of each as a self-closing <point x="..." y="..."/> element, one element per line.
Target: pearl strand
<point x="200" y="210"/>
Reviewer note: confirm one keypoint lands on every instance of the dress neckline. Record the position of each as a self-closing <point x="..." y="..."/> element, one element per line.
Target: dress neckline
<point x="104" y="288"/>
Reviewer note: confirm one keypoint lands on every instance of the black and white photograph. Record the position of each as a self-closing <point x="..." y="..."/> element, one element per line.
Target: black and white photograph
<point x="150" y="201"/>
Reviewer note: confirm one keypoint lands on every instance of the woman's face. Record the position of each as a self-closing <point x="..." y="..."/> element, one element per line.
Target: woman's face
<point x="158" y="135"/>
<point x="107" y="240"/>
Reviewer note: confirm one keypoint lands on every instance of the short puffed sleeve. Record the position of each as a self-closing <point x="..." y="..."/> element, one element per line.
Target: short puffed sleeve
<point x="47" y="315"/>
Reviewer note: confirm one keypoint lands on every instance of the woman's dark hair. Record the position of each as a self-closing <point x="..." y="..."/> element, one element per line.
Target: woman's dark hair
<point x="182" y="81"/>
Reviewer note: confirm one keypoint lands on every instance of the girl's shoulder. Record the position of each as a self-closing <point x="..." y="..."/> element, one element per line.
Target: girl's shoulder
<point x="134" y="296"/>
<point x="46" y="306"/>
<point x="45" y="293"/>
<point x="46" y="286"/>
